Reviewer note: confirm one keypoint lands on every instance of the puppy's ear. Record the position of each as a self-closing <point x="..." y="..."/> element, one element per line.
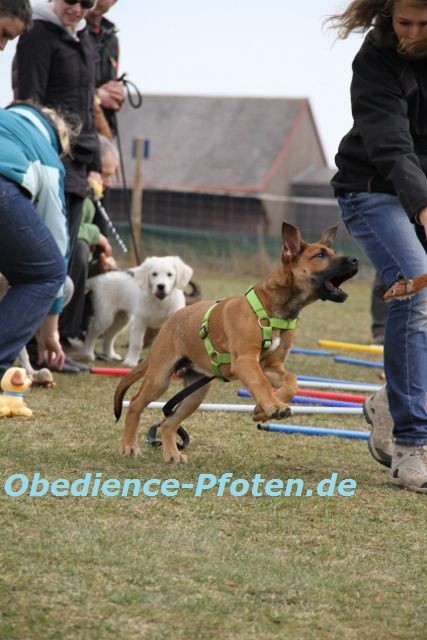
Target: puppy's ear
<point x="292" y="241"/>
<point x="328" y="236"/>
<point x="141" y="272"/>
<point x="184" y="273"/>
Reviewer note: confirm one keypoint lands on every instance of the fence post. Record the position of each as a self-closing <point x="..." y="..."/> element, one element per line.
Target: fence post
<point x="137" y="195"/>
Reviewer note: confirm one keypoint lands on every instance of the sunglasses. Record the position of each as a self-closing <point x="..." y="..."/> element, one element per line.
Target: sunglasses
<point x="85" y="4"/>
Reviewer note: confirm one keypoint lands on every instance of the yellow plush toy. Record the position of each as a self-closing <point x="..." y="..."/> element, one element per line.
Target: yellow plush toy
<point x="14" y="384"/>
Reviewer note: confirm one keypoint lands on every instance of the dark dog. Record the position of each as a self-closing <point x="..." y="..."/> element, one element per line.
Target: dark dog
<point x="228" y="340"/>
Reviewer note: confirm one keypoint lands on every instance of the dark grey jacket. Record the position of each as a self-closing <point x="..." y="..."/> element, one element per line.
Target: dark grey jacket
<point x="386" y="149"/>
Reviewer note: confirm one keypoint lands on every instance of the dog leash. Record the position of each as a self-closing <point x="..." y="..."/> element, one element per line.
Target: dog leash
<point x="171" y="404"/>
<point x="101" y="210"/>
<point x="170" y="407"/>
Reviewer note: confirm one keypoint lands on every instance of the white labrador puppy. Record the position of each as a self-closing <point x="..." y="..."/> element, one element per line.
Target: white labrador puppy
<point x="146" y="296"/>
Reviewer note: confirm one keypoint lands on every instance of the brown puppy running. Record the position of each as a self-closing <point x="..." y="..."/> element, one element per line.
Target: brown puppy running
<point x="199" y="340"/>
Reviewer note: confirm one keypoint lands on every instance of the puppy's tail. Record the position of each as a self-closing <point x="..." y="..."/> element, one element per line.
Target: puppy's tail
<point x="194" y="295"/>
<point x="124" y="384"/>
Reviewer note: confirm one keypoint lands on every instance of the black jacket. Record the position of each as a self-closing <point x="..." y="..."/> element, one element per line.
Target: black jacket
<point x="53" y="69"/>
<point x="106" y="44"/>
<point x="386" y="149"/>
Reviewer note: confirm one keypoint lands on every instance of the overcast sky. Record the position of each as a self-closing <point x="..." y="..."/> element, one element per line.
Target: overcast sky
<point x="235" y="47"/>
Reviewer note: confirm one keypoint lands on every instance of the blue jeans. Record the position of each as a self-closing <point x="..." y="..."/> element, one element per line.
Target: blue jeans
<point x="33" y="265"/>
<point x="380" y="225"/>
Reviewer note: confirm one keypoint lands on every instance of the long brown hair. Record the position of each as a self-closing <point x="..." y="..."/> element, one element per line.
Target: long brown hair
<point x="361" y="15"/>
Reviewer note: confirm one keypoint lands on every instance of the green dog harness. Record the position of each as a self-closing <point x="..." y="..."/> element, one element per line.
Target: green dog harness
<point x="267" y="325"/>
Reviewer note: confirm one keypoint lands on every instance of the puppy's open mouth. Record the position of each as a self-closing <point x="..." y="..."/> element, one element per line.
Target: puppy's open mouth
<point x="330" y="288"/>
<point x="333" y="290"/>
<point x="161" y="295"/>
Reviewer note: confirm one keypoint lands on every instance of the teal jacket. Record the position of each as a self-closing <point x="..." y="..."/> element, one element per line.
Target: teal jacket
<point x="29" y="156"/>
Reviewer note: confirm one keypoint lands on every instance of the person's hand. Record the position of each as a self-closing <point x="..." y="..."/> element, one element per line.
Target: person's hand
<point x="112" y="95"/>
<point x="48" y="345"/>
<point x="421" y="219"/>
<point x="105" y="245"/>
<point x="95" y="182"/>
<point x="106" y="263"/>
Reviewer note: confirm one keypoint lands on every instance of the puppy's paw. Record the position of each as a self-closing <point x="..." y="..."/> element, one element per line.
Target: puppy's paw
<point x="129" y="450"/>
<point x="271" y="413"/>
<point x="259" y="414"/>
<point x="281" y="412"/>
<point x="174" y="457"/>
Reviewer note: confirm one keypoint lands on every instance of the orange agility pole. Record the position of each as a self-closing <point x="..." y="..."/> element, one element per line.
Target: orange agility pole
<point x="331" y="395"/>
<point x="110" y="371"/>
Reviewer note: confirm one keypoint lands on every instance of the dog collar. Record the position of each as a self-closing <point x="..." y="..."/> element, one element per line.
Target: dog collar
<point x="262" y="315"/>
<point x="13" y="393"/>
<point x="218" y="359"/>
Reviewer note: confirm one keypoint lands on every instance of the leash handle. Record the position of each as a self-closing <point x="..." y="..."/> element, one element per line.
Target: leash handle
<point x="135" y="100"/>
<point x="152" y="440"/>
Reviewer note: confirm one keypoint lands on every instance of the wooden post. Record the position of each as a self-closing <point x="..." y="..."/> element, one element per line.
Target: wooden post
<point x="137" y="195"/>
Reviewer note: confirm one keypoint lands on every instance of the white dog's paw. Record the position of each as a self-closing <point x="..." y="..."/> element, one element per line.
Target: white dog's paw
<point x="110" y="355"/>
<point x="130" y="362"/>
<point x="86" y="356"/>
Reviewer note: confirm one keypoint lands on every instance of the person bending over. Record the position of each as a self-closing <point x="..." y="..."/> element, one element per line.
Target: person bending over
<point x="33" y="230"/>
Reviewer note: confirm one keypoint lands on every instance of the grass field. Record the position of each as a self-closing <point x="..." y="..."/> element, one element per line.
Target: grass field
<point x="209" y="567"/>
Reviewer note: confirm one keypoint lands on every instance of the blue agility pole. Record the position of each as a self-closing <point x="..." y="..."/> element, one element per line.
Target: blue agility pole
<point x="362" y="363"/>
<point x="314" y="431"/>
<point x="311" y="352"/>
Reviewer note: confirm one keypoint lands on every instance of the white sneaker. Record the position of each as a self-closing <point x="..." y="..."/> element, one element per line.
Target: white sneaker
<point x="409" y="468"/>
<point x="377" y="414"/>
